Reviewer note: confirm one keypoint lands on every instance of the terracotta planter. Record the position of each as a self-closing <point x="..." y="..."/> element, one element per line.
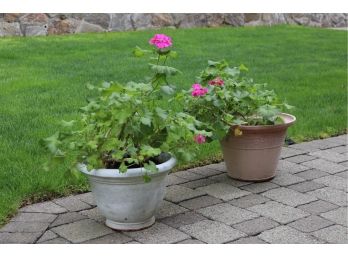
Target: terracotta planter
<point x="254" y="155"/>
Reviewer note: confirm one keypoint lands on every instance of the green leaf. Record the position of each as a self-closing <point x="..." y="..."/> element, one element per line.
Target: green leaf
<point x="165" y="147"/>
<point x="118" y="154"/>
<point x="151" y="166"/>
<point x="287" y="106"/>
<point x="212" y="63"/>
<point x="233" y="72"/>
<point x="147" y="178"/>
<point x="90" y="86"/>
<point x="67" y="124"/>
<point x="93" y="145"/>
<point x="161" y="113"/>
<point x="173" y="54"/>
<point x="168" y="90"/>
<point x="278" y="120"/>
<point x="123" y="168"/>
<point x="113" y="88"/>
<point x="138" y="52"/>
<point x="169" y="71"/>
<point x="149" y="151"/>
<point x="268" y="112"/>
<point x="146" y="121"/>
<point x="242" y="67"/>
<point x="52" y="143"/>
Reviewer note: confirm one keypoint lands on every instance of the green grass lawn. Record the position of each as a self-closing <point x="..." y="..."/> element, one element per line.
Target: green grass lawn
<point x="42" y="80"/>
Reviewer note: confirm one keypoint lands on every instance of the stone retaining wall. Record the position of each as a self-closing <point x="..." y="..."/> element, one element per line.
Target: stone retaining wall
<point x="37" y="24"/>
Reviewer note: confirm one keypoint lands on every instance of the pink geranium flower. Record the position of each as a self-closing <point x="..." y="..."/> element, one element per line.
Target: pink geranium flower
<point x="216" y="82"/>
<point x="198" y="90"/>
<point x="161" y="41"/>
<point x="200" y="139"/>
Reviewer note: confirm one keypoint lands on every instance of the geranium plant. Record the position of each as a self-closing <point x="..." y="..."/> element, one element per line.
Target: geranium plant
<point x="128" y="125"/>
<point x="223" y="97"/>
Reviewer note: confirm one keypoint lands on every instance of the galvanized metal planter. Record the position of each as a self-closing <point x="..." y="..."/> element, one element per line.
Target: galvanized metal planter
<point x="127" y="202"/>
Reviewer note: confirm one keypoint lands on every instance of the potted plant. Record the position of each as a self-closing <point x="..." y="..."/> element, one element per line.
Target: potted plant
<point x="127" y="139"/>
<point x="244" y="116"/>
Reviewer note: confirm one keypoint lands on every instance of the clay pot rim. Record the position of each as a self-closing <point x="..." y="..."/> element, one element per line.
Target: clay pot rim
<point x="288" y="121"/>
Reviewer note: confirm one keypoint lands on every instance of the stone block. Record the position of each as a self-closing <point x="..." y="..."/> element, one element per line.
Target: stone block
<point x="200" y="202"/>
<point x="34" y="217"/>
<point x="159" y="233"/>
<point x="340" y="149"/>
<point x="160" y="20"/>
<point x="48" y="235"/>
<point x="286" y="179"/>
<point x="326" y="166"/>
<point x="289" y="196"/>
<point x="114" y="238"/>
<point x="212" y="232"/>
<point x="227" y="213"/>
<point x="205" y="171"/>
<point x="174" y="180"/>
<point x="287" y="235"/>
<point x="188" y="175"/>
<point x="182" y="219"/>
<point x="72" y="203"/>
<point x="301" y="158"/>
<point x="257" y="188"/>
<point x="34" y="30"/>
<point x="18" y="238"/>
<point x="256" y="226"/>
<point x="249" y="240"/>
<point x="10" y="29"/>
<point x="249" y="200"/>
<point x="279" y="212"/>
<point x="311" y="174"/>
<point x="25" y="227"/>
<point x="331" y="195"/>
<point x="87" y="198"/>
<point x="168" y="209"/>
<point x="335" y="234"/>
<point x="330" y="155"/>
<point x="306" y="186"/>
<point x="58" y="240"/>
<point x="88" y="27"/>
<point x="333" y="181"/>
<point x="45" y="207"/>
<point x="93" y="214"/>
<point x="224" y="178"/>
<point x="223" y="191"/>
<point x="101" y="19"/>
<point x="121" y="22"/>
<point x="177" y="193"/>
<point x="234" y="19"/>
<point x="318" y="207"/>
<point x="190" y="241"/>
<point x="198" y="183"/>
<point x="310" y="224"/>
<point x="339" y="216"/>
<point x="82" y="230"/>
<point x="290" y="152"/>
<point x="67" y="218"/>
<point x="289" y="167"/>
<point x="221" y="166"/>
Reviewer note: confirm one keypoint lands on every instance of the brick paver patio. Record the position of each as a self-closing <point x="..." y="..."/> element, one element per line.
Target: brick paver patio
<point x="305" y="203"/>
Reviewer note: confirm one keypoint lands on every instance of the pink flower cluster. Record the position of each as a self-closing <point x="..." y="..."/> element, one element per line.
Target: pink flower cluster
<point x="198" y="90"/>
<point x="199" y="139"/>
<point x="161" y="41"/>
<point x="216" y="82"/>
